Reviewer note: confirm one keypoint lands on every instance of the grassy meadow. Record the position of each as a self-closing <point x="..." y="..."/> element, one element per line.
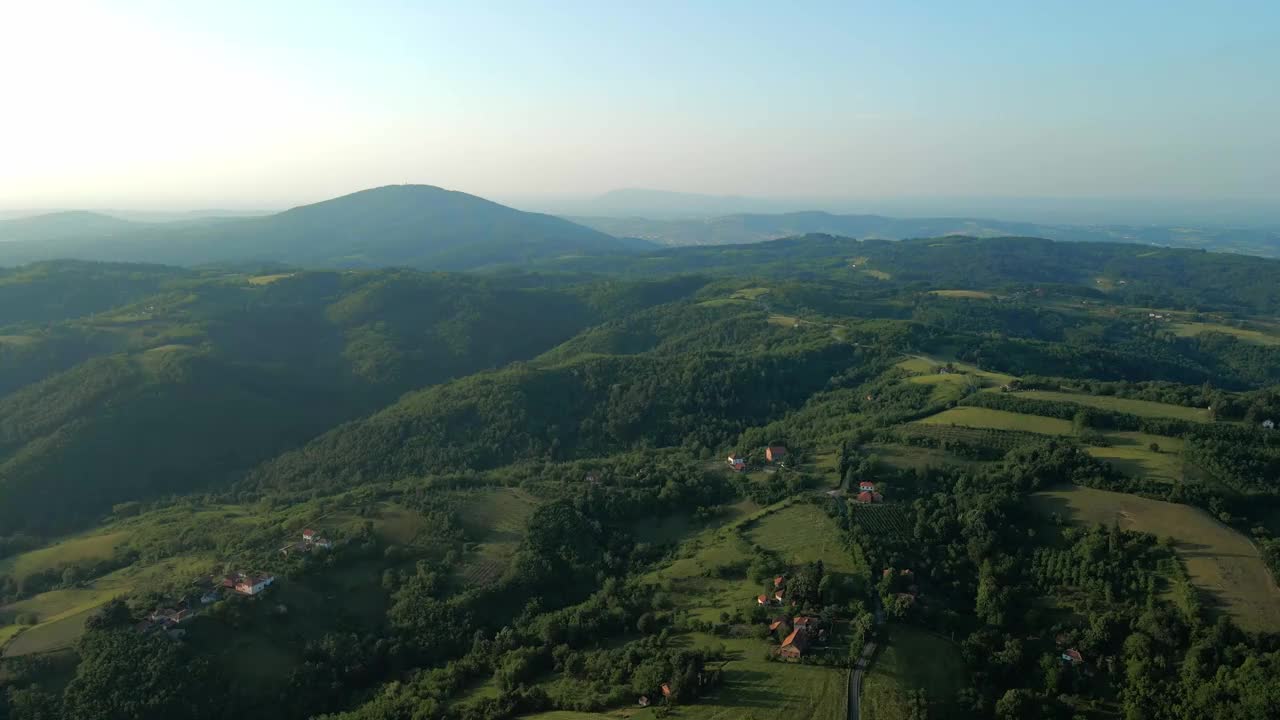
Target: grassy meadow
<point x="978" y="417"/>
<point x="1141" y="408"/>
<point x="911" y="659"/>
<point x="1224" y="564"/>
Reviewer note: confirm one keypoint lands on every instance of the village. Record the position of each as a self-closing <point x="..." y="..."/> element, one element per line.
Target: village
<point x="209" y="590"/>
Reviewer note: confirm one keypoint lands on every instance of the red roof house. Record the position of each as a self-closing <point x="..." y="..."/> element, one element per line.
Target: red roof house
<point x="775" y="453"/>
<point x="777" y="582"/>
<point x="762" y="599"/>
<point x="866" y="486"/>
<point x="1073" y="656"/>
<point x="778" y="596"/>
<point x="666" y="690"/>
<point x="795" y="644"/>
<point x="308" y="534"/>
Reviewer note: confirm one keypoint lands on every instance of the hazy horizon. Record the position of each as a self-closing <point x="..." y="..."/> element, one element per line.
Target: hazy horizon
<point x="1126" y="111"/>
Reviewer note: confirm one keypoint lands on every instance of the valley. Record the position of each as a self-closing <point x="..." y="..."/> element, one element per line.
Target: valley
<point x="700" y="482"/>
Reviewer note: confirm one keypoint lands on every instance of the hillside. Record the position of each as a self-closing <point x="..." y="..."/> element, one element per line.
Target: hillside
<point x="186" y="388"/>
<point x="405" y="225"/>
<point x="740" y="228"/>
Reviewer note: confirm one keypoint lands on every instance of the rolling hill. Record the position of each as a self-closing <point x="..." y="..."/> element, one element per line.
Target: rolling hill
<point x="401" y="225"/>
<point x="742" y="228"/>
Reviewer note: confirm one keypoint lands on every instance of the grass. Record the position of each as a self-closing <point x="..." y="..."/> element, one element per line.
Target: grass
<point x="268" y="279"/>
<point x="803" y="533"/>
<point x="1191" y="329"/>
<point x="752" y="293"/>
<point x="68" y="552"/>
<point x="784" y="320"/>
<point x="967" y="294"/>
<point x="878" y="274"/>
<point x="978" y="417"/>
<point x="1224" y="564"/>
<point x="912" y="659"/>
<point x="925" y="370"/>
<point x="1141" y="408"/>
<point x="907" y="457"/>
<point x="1130" y="452"/>
<point x="50" y="636"/>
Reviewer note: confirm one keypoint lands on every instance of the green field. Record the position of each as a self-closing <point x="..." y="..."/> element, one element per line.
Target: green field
<point x="1191" y="329"/>
<point x="1224" y="564"/>
<point x="1141" y="408"/>
<point x="966" y="294"/>
<point x="68" y="552"/>
<point x="978" y="417"/>
<point x="1130" y="452"/>
<point x="907" y="457"/>
<point x="911" y="659"/>
<point x="804" y="533"/>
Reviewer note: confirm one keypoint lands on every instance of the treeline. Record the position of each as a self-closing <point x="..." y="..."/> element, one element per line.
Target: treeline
<point x="595" y="405"/>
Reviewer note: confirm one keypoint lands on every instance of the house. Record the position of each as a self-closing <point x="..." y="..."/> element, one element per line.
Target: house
<point x="762" y="599"/>
<point x="308" y="535"/>
<point x="777" y="581"/>
<point x="867" y="497"/>
<point x="1268" y="424"/>
<point x="666" y="690"/>
<point x="866" y="486"/>
<point x="777" y="596"/>
<point x="1072" y="656"/>
<point x="804" y="621"/>
<point x="775" y="453"/>
<point x="643" y="701"/>
<point x="795" y="644"/>
<point x="253" y="584"/>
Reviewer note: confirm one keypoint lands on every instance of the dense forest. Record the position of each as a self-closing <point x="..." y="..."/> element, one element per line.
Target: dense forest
<point x="696" y="482"/>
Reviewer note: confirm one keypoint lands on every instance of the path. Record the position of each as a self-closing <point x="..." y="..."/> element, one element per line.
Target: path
<point x="859" y="669"/>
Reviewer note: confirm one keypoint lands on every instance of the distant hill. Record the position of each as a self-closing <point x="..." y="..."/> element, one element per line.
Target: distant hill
<point x="404" y="225"/>
<point x="69" y="224"/>
<point x="749" y="228"/>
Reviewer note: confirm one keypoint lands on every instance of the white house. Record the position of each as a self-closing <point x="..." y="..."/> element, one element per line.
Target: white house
<point x="254" y="584"/>
<point x="1268" y="424"/>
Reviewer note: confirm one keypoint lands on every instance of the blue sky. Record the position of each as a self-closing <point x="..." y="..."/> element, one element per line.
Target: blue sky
<point x="172" y="104"/>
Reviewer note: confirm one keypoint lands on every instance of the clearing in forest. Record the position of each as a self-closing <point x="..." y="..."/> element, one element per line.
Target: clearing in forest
<point x="966" y="294"/>
<point x="1141" y="408"/>
<point x="978" y="417"/>
<point x="912" y="659"/>
<point x="1224" y="564"/>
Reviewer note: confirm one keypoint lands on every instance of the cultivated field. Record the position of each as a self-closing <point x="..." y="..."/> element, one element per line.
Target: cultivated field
<point x="68" y="552"/>
<point x="1131" y="453"/>
<point x="1223" y="563"/>
<point x="803" y="533"/>
<point x="1191" y="329"/>
<point x="1141" y="408"/>
<point x="977" y="417"/>
<point x="966" y="294"/>
<point x="911" y="660"/>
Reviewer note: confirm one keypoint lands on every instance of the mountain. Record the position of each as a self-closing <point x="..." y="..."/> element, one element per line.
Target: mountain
<point x="70" y="224"/>
<point x="736" y="229"/>
<point x="407" y="225"/>
<point x="211" y="373"/>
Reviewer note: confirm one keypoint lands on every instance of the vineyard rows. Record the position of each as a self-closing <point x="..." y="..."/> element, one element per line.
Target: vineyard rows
<point x="884" y="521"/>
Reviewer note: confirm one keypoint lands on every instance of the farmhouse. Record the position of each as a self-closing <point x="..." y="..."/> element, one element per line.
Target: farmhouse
<point x="866" y="486"/>
<point x="248" y="584"/>
<point x="795" y="644"/>
<point x="775" y="453"/>
<point x="762" y="599"/>
<point x="867" y="497"/>
<point x="777" y="581"/>
<point x="737" y="463"/>
<point x="1072" y="656"/>
<point x="666" y="690"/>
<point x="1268" y="424"/>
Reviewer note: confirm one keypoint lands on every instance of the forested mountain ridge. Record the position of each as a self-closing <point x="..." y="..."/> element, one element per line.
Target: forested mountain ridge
<point x="538" y="455"/>
<point x="419" y="226"/>
<point x="734" y="229"/>
<point x="182" y="390"/>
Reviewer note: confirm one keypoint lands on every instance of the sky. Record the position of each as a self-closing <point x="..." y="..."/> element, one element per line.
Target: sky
<point x="180" y="105"/>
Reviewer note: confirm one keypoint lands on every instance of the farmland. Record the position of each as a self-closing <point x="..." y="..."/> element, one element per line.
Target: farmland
<point x="1141" y="408"/>
<point x="963" y="294"/>
<point x="1221" y="562"/>
<point x="977" y="417"/>
<point x="68" y="552"/>
<point x="1131" y="453"/>
<point x="912" y="659"/>
<point x="803" y="533"/>
<point x="1260" y="334"/>
<point x="884" y="520"/>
